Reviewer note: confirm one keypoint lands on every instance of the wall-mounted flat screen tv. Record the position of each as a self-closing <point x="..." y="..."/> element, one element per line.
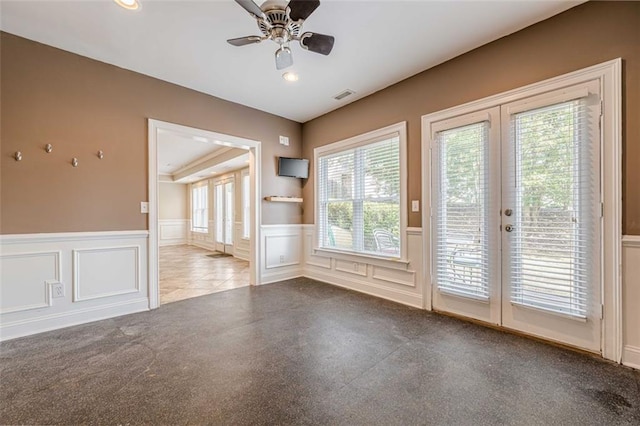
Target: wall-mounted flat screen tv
<point x="293" y="167"/>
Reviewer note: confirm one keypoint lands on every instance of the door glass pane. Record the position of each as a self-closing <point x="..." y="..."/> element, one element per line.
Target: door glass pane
<point x="461" y="221"/>
<point x="228" y="219"/>
<point x="219" y="207"/>
<point x="554" y="221"/>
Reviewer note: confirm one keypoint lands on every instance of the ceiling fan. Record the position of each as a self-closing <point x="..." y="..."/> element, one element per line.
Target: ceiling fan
<point x="282" y="23"/>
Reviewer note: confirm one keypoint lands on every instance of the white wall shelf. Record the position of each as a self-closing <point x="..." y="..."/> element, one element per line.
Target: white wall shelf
<point x="274" y="198"/>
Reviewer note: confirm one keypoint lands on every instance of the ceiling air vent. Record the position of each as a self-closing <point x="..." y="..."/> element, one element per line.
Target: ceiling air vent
<point x="340" y="96"/>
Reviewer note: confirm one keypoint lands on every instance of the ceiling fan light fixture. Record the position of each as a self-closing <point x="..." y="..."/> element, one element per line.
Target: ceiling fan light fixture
<point x="128" y="4"/>
<point x="290" y="76"/>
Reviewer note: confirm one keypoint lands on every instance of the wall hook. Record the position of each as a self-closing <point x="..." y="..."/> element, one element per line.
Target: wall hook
<point x="48" y="148"/>
<point x="100" y="154"/>
<point x="74" y="162"/>
<point x="17" y="156"/>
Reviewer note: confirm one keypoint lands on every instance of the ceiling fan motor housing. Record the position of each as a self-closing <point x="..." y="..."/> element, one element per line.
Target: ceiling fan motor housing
<point x="277" y="25"/>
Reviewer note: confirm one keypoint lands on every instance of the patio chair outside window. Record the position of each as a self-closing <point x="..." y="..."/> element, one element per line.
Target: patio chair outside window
<point x="386" y="242"/>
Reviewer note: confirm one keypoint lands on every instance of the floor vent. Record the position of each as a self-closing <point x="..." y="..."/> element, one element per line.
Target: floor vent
<point x="340" y="96"/>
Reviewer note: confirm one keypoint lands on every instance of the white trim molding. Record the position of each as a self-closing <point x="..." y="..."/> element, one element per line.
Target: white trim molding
<point x="631" y="295"/>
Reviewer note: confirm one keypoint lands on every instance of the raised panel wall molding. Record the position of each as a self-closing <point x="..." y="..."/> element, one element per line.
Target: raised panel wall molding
<point x="173" y="231"/>
<point x="100" y="275"/>
<point x="105" y="272"/>
<point x="395" y="276"/>
<point x="631" y="356"/>
<point x="630" y="297"/>
<point x="401" y="282"/>
<point x="26" y="280"/>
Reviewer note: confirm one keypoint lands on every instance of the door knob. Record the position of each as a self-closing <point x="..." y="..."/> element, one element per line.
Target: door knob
<point x="508" y="212"/>
<point x="508" y="228"/>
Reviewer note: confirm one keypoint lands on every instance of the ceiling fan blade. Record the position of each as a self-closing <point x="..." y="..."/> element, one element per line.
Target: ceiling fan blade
<point x="284" y="58"/>
<point x="301" y="9"/>
<point x="252" y="8"/>
<point x="319" y="43"/>
<point x="243" y="41"/>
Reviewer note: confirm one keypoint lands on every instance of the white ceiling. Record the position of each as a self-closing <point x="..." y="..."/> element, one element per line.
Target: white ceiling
<point x="180" y="152"/>
<point x="378" y="43"/>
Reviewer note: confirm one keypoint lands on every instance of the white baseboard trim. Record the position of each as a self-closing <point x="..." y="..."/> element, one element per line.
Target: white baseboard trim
<point x="13" y="330"/>
<point x="203" y="244"/>
<point x="281" y="276"/>
<point x="175" y="242"/>
<point x="367" y="287"/>
<point x="631" y="357"/>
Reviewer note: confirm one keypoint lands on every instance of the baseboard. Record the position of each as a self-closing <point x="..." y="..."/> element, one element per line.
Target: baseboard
<point x="27" y="327"/>
<point x="281" y="276"/>
<point x="176" y="242"/>
<point x="404" y="297"/>
<point x="203" y="244"/>
<point x="631" y="357"/>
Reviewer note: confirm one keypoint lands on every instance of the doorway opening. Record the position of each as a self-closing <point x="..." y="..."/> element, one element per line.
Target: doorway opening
<point x="203" y="227"/>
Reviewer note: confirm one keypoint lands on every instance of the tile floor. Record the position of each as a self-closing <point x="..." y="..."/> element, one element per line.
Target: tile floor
<point x="186" y="272"/>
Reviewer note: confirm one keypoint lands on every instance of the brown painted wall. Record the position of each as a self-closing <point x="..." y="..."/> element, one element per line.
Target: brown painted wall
<point x="586" y="35"/>
<point x="81" y="106"/>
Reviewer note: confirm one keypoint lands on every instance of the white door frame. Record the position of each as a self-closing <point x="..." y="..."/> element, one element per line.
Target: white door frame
<point x="255" y="162"/>
<point x="610" y="76"/>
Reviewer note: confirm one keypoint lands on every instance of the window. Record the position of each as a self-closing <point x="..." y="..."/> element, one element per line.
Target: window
<point x="199" y="208"/>
<point x="361" y="202"/>
<point x="246" y="204"/>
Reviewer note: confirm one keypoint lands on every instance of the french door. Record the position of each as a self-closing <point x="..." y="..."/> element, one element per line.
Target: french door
<point x="223" y="213"/>
<point x="517" y="215"/>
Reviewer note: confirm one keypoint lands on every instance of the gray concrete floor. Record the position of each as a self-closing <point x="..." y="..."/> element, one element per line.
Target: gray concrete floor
<point x="303" y="352"/>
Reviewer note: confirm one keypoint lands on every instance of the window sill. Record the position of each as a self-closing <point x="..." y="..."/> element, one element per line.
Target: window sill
<point x="387" y="262"/>
<point x="200" y="231"/>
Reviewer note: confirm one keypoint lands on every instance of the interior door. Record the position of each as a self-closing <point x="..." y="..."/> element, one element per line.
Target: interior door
<point x="516" y="216"/>
<point x="552" y="216"/>
<point x="224" y="211"/>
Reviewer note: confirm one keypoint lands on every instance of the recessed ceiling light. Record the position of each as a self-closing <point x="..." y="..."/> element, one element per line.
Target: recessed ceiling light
<point x="128" y="4"/>
<point x="290" y="76"/>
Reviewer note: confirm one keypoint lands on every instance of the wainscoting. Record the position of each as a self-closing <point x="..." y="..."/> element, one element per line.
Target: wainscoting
<point x="631" y="300"/>
<point x="281" y="249"/>
<point x="51" y="281"/>
<point x="241" y="246"/>
<point x="202" y="240"/>
<point x="397" y="281"/>
<point x="173" y="232"/>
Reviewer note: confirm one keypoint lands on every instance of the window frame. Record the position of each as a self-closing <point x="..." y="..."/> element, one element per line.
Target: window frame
<point x="399" y="130"/>
<point x="194" y="187"/>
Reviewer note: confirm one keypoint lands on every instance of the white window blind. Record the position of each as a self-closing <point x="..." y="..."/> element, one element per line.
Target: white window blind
<point x="359" y="198"/>
<point x="461" y="179"/>
<point x="199" y="208"/>
<point x="557" y="208"/>
<point x="246" y="205"/>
